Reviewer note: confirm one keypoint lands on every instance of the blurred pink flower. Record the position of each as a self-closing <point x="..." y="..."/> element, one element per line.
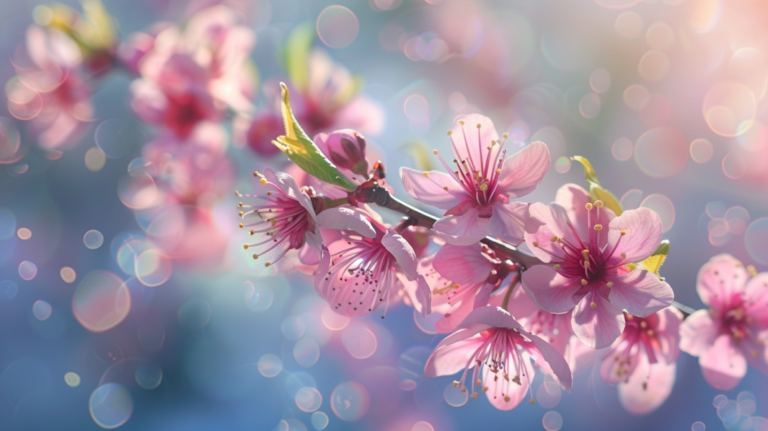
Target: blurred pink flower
<point x="328" y="102"/>
<point x="289" y="219"/>
<point x="733" y="332"/>
<point x="642" y="360"/>
<point x="346" y="149"/>
<point x="587" y="272"/>
<point x="477" y="195"/>
<point x="358" y="273"/>
<point x="499" y="351"/>
<point x="51" y="91"/>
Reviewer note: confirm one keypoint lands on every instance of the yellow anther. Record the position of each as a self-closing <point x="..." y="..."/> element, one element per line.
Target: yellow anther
<point x="650" y="332"/>
<point x="461" y="122"/>
<point x="506" y="135"/>
<point x="255" y="256"/>
<point x="241" y="225"/>
<point x="531" y="401"/>
<point x="610" y="284"/>
<point x="241" y="213"/>
<point x="485" y="388"/>
<point x="553" y="239"/>
<point x="623" y="255"/>
<point x="623" y="233"/>
<point x="643" y="324"/>
<point x="455" y="384"/>
<point x="593" y="305"/>
<point x="483" y="187"/>
<point x="751" y="270"/>
<point x="434" y="152"/>
<point x="263" y="181"/>
<point x="269" y="193"/>
<point x="445" y="188"/>
<point x="267" y="265"/>
<point x="479" y="382"/>
<point x="478" y="125"/>
<point x="557" y="267"/>
<point x="240" y="204"/>
<point x="450" y="132"/>
<point x="474" y="395"/>
<point x="584" y="282"/>
<point x="535" y="243"/>
<point x="426" y="174"/>
<point x="245" y="246"/>
<point x="498" y="171"/>
<point x="588" y="206"/>
<point x="507" y="398"/>
<point x="598" y="227"/>
<point x="255" y="173"/>
<point x="599" y="203"/>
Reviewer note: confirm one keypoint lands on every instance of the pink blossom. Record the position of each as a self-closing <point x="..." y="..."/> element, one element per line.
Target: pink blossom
<point x="52" y="91"/>
<point x="329" y="101"/>
<point x="289" y="219"/>
<point x="642" y="360"/>
<point x="498" y="351"/>
<point x="346" y="149"/>
<point x="555" y="329"/>
<point x="477" y="195"/>
<point x="589" y="274"/>
<point x="358" y="273"/>
<point x="732" y="333"/>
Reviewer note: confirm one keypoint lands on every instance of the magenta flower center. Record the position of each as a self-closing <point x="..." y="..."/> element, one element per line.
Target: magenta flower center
<point x="639" y="334"/>
<point x="478" y="174"/>
<point x="734" y="318"/>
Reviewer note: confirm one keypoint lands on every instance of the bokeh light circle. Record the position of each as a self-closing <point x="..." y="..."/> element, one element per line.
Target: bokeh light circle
<point x="631" y="199"/>
<point x="617" y="4"/>
<point x="10" y="142"/>
<point x="148" y="375"/>
<point x="115" y="138"/>
<point x="729" y="108"/>
<point x="629" y="24"/>
<point x="72" y="379"/>
<point x="416" y="108"/>
<point x="660" y="36"/>
<point x="663" y="206"/>
<point x="337" y="26"/>
<point x="653" y="66"/>
<point x="422" y="426"/>
<point x="701" y="151"/>
<point x="27" y="270"/>
<point x="95" y="159"/>
<point x="308" y="399"/>
<point x="8" y="290"/>
<point x="260" y="299"/>
<point x="552" y="421"/>
<point x="93" y="239"/>
<point x="756" y="240"/>
<point x="600" y="80"/>
<point x="24" y="234"/>
<point x="153" y="267"/>
<point x="319" y="420"/>
<point x="622" y="149"/>
<point x="138" y="191"/>
<point x="111" y="405"/>
<point x="549" y="393"/>
<point x="562" y="164"/>
<point x="101" y="301"/>
<point x="661" y="152"/>
<point x="734" y="166"/>
<point x="359" y="341"/>
<point x="350" y="401"/>
<point x="332" y="320"/>
<point x="718" y="400"/>
<point x="729" y="413"/>
<point x="194" y="314"/>
<point x="454" y="396"/>
<point x="42" y="310"/>
<point x="270" y="365"/>
<point x="589" y="106"/>
<point x="306" y="352"/>
<point x="7" y="223"/>
<point x="738" y="219"/>
<point x="292" y="327"/>
<point x="747" y="403"/>
<point x="716" y="209"/>
<point x="68" y="275"/>
<point x="698" y="426"/>
<point x="636" y="97"/>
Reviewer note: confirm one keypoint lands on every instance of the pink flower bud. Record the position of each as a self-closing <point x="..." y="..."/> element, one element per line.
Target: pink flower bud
<point x="346" y="149"/>
<point x="263" y="129"/>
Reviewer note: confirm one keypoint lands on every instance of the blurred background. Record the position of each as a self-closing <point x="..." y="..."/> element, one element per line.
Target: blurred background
<point x="119" y="312"/>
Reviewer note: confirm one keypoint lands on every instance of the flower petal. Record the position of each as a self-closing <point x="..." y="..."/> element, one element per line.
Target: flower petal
<point x="402" y="251"/>
<point x="311" y="251"/>
<point x="620" y="362"/>
<point x="668" y="333"/>
<point x="648" y="387"/>
<point x="640" y="292"/>
<point x="574" y="198"/>
<point x="549" y="290"/>
<point x="431" y="188"/>
<point x="697" y="333"/>
<point x="508" y="221"/>
<point x="720" y="278"/>
<point x="504" y="394"/>
<point x="756" y="298"/>
<point x="450" y="321"/>
<point x="465" y="135"/>
<point x="555" y="224"/>
<point x="424" y="295"/>
<point x="600" y="326"/>
<point x="462" y="264"/>
<point x="557" y="364"/>
<point x="341" y="218"/>
<point x="524" y="170"/>
<point x="483" y="295"/>
<point x="452" y="354"/>
<point x="641" y="235"/>
<point x="463" y="229"/>
<point x="722" y="364"/>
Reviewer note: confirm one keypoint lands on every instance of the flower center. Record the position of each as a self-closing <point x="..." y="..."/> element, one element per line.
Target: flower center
<point x="735" y="321"/>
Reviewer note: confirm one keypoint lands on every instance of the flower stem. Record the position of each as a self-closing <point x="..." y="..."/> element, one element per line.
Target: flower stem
<point x="512" y="285"/>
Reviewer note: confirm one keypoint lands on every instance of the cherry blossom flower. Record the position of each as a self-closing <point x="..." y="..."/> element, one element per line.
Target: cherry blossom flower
<point x="733" y="332"/>
<point x="555" y="329"/>
<point x="589" y="273"/>
<point x="289" y="219"/>
<point x="642" y="360"/>
<point x="359" y="273"/>
<point x="477" y="193"/>
<point x="495" y="353"/>
<point x="329" y="101"/>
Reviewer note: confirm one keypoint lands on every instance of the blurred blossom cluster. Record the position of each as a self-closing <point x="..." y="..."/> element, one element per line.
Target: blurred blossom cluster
<point x="416" y="215"/>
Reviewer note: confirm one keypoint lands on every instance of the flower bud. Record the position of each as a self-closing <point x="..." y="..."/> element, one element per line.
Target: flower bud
<point x="262" y="130"/>
<point x="346" y="149"/>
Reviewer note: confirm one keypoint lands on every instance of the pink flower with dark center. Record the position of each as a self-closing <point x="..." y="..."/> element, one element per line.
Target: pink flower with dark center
<point x="589" y="273"/>
<point x="733" y="332"/>
<point x="495" y="353"/>
<point x="478" y="189"/>
<point x="642" y="360"/>
<point x="357" y="274"/>
<point x="289" y="219"/>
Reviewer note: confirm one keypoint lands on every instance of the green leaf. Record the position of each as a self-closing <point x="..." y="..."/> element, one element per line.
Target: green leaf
<point x="296" y="54"/>
<point x="303" y="151"/>
<point x="662" y="249"/>
<point x="596" y="191"/>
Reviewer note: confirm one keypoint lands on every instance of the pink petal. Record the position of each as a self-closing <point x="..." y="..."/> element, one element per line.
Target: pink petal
<point x="483" y="295"/>
<point x="463" y="229"/>
<point x="642" y="234"/>
<point x="574" y="198"/>
<point x="619" y="363"/>
<point x="555" y="224"/>
<point x="557" y="364"/>
<point x="720" y="278"/>
<point x="452" y="354"/>
<point x="524" y="170"/>
<point x="549" y="290"/>
<point x="600" y="326"/>
<point x="430" y="190"/>
<point x="289" y="186"/>
<point x="697" y="333"/>
<point x="580" y="356"/>
<point x="492" y="316"/>
<point x="756" y="353"/>
<point x="508" y="221"/>
<point x="668" y="333"/>
<point x="402" y="251"/>
<point x="648" y="387"/>
<point x="450" y="321"/>
<point x="520" y="304"/>
<point x="756" y="298"/>
<point x="465" y="137"/>
<point x="311" y="251"/>
<point x="462" y="264"/>
<point x="499" y="388"/>
<point x="341" y="218"/>
<point x="640" y="292"/>
<point x="424" y="295"/>
<point x="362" y="114"/>
<point x="722" y="364"/>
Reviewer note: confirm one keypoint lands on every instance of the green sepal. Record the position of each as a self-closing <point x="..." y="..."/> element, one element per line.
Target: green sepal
<point x="296" y="55"/>
<point x="596" y="191"/>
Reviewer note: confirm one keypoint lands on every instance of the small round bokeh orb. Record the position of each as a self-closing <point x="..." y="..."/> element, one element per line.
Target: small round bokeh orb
<point x="270" y="365"/>
<point x="42" y="310"/>
<point x="319" y="420"/>
<point x="337" y="26"/>
<point x="72" y="379"/>
<point x="111" y="405"/>
<point x="350" y="401"/>
<point x="93" y="239"/>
